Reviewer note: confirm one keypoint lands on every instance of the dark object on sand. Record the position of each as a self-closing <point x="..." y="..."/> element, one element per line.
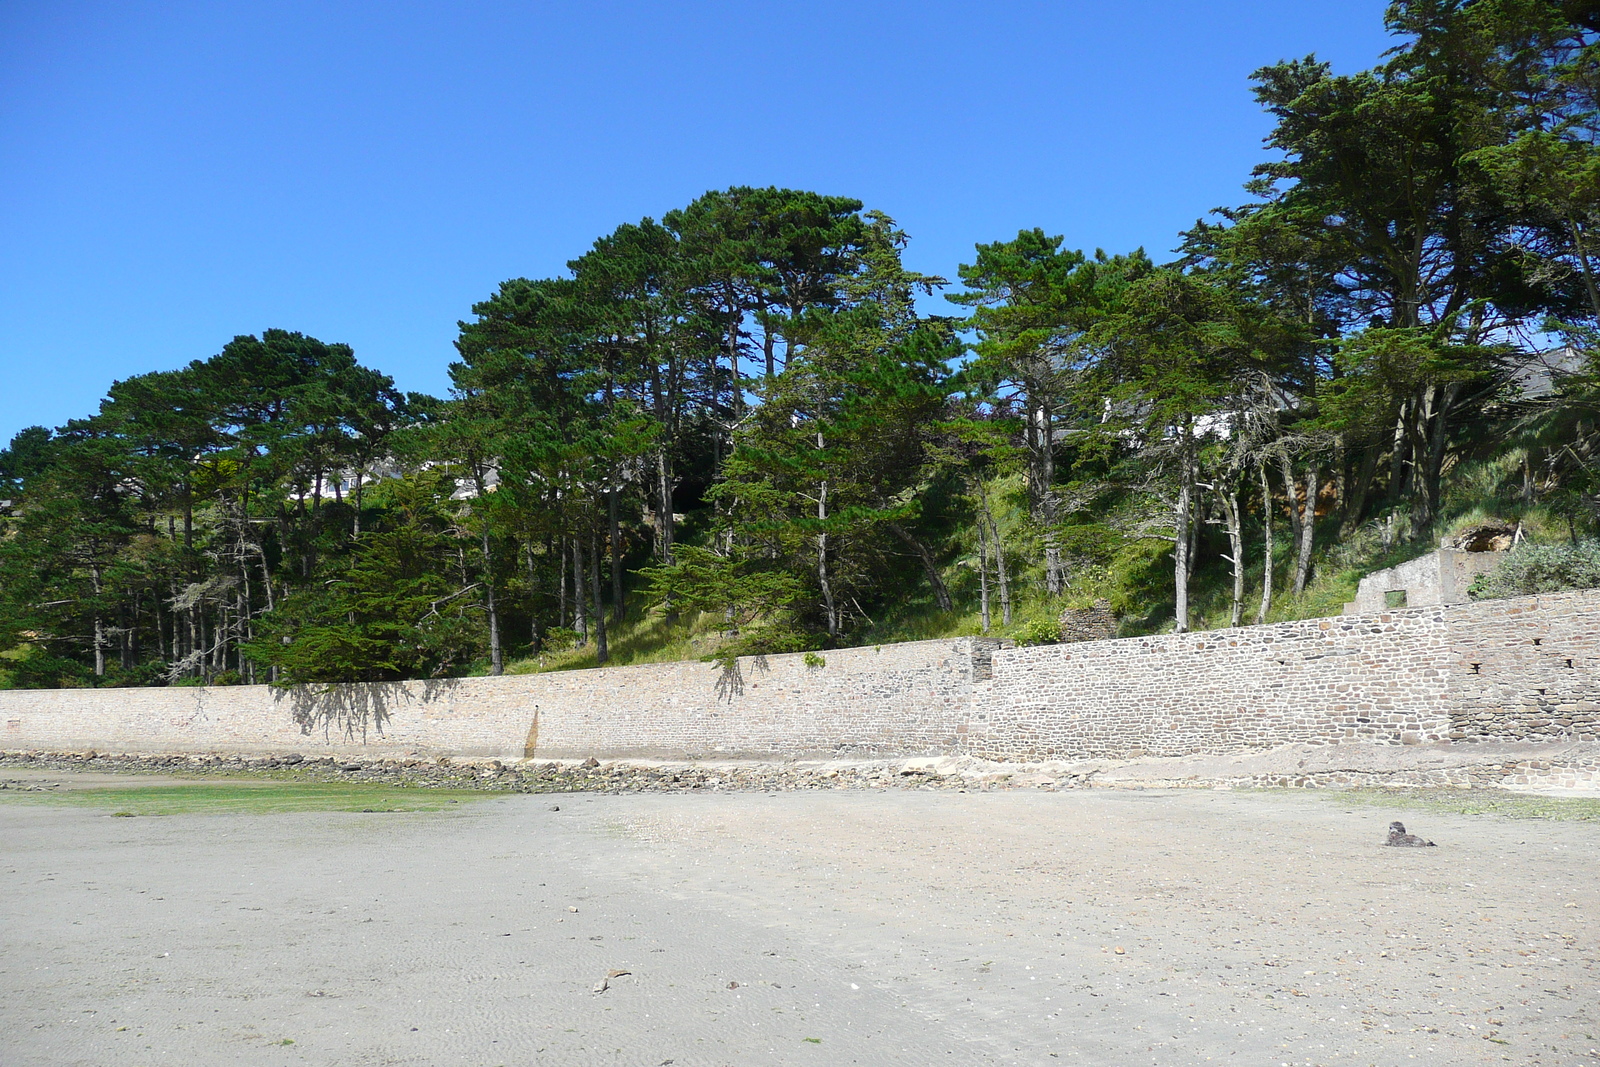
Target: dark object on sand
<point x="1398" y="836"/>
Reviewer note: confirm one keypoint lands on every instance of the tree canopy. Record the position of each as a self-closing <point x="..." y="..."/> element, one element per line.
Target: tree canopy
<point x="748" y="418"/>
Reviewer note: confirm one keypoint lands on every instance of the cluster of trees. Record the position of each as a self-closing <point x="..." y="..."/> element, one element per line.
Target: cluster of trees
<point x="740" y="410"/>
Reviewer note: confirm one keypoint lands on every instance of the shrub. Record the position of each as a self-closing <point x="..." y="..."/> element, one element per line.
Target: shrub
<point x="558" y="639"/>
<point x="770" y="640"/>
<point x="1541" y="569"/>
<point x="1040" y="632"/>
<point x="31" y="667"/>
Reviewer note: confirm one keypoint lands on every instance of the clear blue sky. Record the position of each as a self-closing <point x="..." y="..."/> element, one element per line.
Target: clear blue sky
<point x="173" y="174"/>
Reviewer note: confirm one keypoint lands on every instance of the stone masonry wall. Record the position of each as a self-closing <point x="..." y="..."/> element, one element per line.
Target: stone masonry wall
<point x="903" y="699"/>
<point x="1378" y="678"/>
<point x="1527" y="669"/>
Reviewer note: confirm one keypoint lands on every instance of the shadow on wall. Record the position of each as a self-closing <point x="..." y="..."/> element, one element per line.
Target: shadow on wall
<point x="352" y="712"/>
<point x="730" y="679"/>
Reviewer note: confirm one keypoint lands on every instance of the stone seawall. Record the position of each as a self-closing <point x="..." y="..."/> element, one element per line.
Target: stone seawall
<point x="1510" y="670"/>
<point x="1355" y="678"/>
<point x="909" y="699"/>
<point x="1527" y="668"/>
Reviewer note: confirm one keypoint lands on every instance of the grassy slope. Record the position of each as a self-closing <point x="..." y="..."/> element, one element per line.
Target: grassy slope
<point x="1136" y="578"/>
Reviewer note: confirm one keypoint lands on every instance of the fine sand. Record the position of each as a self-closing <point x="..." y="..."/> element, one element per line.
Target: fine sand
<point x="898" y="927"/>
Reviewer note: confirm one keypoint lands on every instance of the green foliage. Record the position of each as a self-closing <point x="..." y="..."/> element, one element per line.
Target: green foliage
<point x="1532" y="568"/>
<point x="391" y="612"/>
<point x="32" y="667"/>
<point x="732" y="432"/>
<point x="815" y="661"/>
<point x="250" y="795"/>
<point x="1140" y="580"/>
<point x="769" y="640"/>
<point x="1040" y="632"/>
<point x="559" y="639"/>
<point x="1091" y="543"/>
<point x="743" y="590"/>
<point x="28" y="454"/>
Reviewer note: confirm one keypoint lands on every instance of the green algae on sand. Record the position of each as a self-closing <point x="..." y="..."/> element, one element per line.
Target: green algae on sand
<point x="247" y="796"/>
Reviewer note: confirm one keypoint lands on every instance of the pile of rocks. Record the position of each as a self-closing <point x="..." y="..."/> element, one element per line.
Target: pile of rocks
<point x="1569" y="766"/>
<point x="528" y="776"/>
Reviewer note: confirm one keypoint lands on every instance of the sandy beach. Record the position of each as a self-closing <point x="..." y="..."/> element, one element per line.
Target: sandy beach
<point x="901" y="927"/>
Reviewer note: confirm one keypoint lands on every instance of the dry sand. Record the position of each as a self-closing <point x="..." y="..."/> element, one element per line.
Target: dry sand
<point x="898" y="927"/>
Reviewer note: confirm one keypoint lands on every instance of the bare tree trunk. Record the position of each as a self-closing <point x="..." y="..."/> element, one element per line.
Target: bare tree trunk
<point x="361" y="481"/>
<point x="172" y="617"/>
<point x="266" y="578"/>
<point x="1402" y="465"/>
<point x="1302" y="502"/>
<point x="580" y="614"/>
<point x="983" y="568"/>
<point x="1198" y="514"/>
<point x="665" y="531"/>
<point x="1042" y="472"/>
<point x="1053" y="582"/>
<point x="940" y="594"/>
<point x="1266" y="543"/>
<point x="246" y="600"/>
<point x="768" y="345"/>
<point x="219" y="647"/>
<point x="822" y="553"/>
<point x="496" y="662"/>
<point x="1181" y="522"/>
<point x="1291" y="494"/>
<point x="1308" y="532"/>
<point x="733" y="353"/>
<point x="561" y="599"/>
<point x="1586" y="267"/>
<point x="1430" y="473"/>
<point x="1354" y="501"/>
<point x="822" y="559"/>
<point x="601" y="652"/>
<point x="1230" y="512"/>
<point x="664" y="523"/>
<point x="127" y="622"/>
<point x="534" y="644"/>
<point x="99" y="627"/>
<point x="617" y="605"/>
<point x="1001" y="576"/>
<point x="197" y="638"/>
